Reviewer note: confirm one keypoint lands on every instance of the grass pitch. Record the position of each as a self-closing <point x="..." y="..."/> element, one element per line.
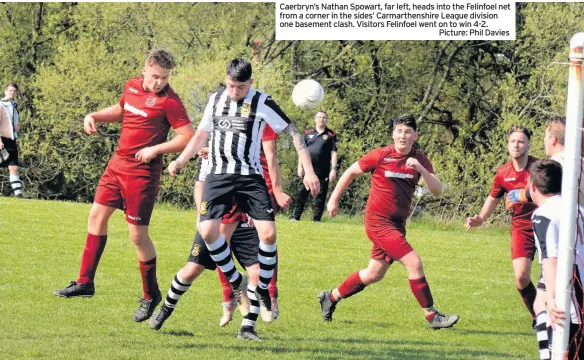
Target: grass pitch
<point x="469" y="273"/>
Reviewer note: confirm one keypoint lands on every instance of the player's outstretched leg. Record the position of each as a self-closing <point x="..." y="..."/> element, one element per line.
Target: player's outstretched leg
<point x="351" y="286"/>
<point x="180" y="284"/>
<point x="273" y="290"/>
<point x="230" y="300"/>
<point x="151" y="293"/>
<point x="247" y="331"/>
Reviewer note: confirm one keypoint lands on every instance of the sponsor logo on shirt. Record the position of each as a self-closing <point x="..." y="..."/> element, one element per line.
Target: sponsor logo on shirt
<point x="224" y="124"/>
<point x="325" y="137"/>
<point x="135" y="218"/>
<point x="134" y="110"/>
<point x="132" y="90"/>
<point x="536" y="221"/>
<point x="150" y="102"/>
<point x="270" y="211"/>
<point x="398" y="175"/>
<point x="245" y="110"/>
<point x="389" y="160"/>
<point x="510" y="179"/>
<point x="196" y="250"/>
<point x="310" y="136"/>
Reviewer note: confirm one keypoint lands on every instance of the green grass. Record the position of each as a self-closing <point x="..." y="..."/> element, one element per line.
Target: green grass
<point x="470" y="274"/>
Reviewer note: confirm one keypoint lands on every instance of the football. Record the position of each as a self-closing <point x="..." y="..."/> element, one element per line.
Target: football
<point x="307" y="94"/>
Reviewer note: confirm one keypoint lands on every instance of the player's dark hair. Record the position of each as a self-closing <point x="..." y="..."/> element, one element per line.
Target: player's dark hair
<point x="408" y="120"/>
<point x="161" y="57"/>
<point x="239" y="69"/>
<point x="521" y="129"/>
<point x="11" y="84"/>
<point x="546" y="176"/>
<point x="557" y="127"/>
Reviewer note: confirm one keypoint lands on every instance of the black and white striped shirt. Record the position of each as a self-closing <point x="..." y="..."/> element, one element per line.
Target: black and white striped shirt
<point x="546" y="227"/>
<point x="236" y="129"/>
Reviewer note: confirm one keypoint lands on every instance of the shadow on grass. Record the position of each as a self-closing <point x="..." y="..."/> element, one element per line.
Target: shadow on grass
<point x="179" y="333"/>
<point x="330" y="347"/>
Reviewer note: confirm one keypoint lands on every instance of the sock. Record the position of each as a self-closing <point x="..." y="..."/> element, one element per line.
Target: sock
<point x="254" y="307"/>
<point x="267" y="259"/>
<point x="351" y="286"/>
<point x="273" y="286"/>
<point x="94" y="246"/>
<point x="178" y="287"/>
<point x="16" y="184"/>
<point x="542" y="335"/>
<point x="528" y="296"/>
<point x="149" y="282"/>
<point x="225" y="286"/>
<point x="221" y="254"/>
<point x="421" y="291"/>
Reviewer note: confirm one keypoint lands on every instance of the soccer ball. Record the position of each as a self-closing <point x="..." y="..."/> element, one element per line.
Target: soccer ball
<point x="307" y="94"/>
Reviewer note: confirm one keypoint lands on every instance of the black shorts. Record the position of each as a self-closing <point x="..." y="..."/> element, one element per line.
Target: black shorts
<point x="249" y="191"/>
<point x="12" y="148"/>
<point x="244" y="246"/>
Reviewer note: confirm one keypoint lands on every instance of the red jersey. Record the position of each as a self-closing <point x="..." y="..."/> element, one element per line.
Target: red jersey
<point x="392" y="184"/>
<point x="147" y="118"/>
<point x="268" y="135"/>
<point x="507" y="179"/>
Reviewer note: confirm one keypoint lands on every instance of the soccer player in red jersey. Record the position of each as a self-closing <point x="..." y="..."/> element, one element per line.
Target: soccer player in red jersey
<point x="514" y="175"/>
<point x="147" y="109"/>
<point x="395" y="172"/>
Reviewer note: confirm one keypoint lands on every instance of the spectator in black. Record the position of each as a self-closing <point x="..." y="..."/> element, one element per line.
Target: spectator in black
<point x="322" y="146"/>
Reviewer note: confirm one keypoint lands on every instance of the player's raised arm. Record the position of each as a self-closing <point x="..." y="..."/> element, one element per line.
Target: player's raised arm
<point x="489" y="206"/>
<point x="310" y="179"/>
<point x="431" y="181"/>
<point x="108" y="115"/>
<point x="193" y="147"/>
<point x="346" y="179"/>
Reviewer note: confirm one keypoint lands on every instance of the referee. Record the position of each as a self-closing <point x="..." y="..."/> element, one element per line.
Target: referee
<point x="322" y="146"/>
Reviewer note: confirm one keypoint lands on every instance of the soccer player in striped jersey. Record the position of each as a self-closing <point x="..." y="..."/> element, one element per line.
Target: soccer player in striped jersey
<point x="395" y="172"/>
<point x="148" y="109"/>
<point x="234" y="119"/>
<point x="244" y="243"/>
<point x="545" y="187"/>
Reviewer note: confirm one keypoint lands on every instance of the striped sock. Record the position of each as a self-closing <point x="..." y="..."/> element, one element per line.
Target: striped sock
<point x="221" y="254"/>
<point x="177" y="288"/>
<point x="254" y="307"/>
<point x="16" y="184"/>
<point x="267" y="259"/>
<point x="542" y="335"/>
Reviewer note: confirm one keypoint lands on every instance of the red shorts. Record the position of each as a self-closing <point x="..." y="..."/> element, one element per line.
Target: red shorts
<point x="522" y="243"/>
<point x="389" y="243"/>
<point x="134" y="192"/>
<point x="236" y="214"/>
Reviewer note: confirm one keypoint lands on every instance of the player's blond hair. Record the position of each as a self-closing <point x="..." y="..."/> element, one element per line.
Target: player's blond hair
<point x="557" y="127"/>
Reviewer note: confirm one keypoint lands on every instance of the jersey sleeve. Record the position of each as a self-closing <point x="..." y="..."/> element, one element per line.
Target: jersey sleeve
<point x="497" y="190"/>
<point x="123" y="98"/>
<point x="269" y="134"/>
<point x="207" y="120"/>
<point x="335" y="148"/>
<point x="204" y="168"/>
<point x="425" y="162"/>
<point x="369" y="161"/>
<point x="547" y="233"/>
<point x="271" y="113"/>
<point x="176" y="114"/>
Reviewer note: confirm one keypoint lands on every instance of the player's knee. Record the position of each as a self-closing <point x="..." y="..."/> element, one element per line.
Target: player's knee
<point x="522" y="279"/>
<point x="96" y="218"/>
<point x="370" y="276"/>
<point x="138" y="236"/>
<point x="190" y="272"/>
<point x="268" y="236"/>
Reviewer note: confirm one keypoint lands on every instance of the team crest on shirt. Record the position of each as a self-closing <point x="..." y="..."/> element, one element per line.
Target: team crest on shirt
<point x="151" y="101"/>
<point x="325" y="137"/>
<point x="203" y="208"/>
<point x="245" y="110"/>
<point x="196" y="250"/>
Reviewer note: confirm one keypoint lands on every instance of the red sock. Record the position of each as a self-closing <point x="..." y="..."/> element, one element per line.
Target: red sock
<point x="273" y="285"/>
<point x="421" y="291"/>
<point x="94" y="246"/>
<point x="149" y="282"/>
<point x="528" y="296"/>
<point x="351" y="286"/>
<point x="225" y="286"/>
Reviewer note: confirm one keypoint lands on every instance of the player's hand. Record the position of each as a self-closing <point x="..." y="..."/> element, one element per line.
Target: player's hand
<point x="283" y="199"/>
<point x="332" y="175"/>
<point x="89" y="125"/>
<point x="413" y="163"/>
<point x="175" y="166"/>
<point x="250" y="221"/>
<point x="517" y="196"/>
<point x="333" y="207"/>
<point x="556" y="315"/>
<point x="204" y="153"/>
<point x="300" y="172"/>
<point x="312" y="183"/>
<point x="146" y="154"/>
<point x="474" y="221"/>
